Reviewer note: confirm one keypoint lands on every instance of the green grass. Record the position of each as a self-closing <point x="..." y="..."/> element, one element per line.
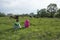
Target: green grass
<point x="40" y="29"/>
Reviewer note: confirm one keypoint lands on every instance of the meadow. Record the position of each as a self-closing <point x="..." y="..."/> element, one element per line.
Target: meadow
<point x="40" y="29"/>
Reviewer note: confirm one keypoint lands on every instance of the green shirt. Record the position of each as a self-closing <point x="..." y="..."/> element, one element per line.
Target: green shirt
<point x="17" y="23"/>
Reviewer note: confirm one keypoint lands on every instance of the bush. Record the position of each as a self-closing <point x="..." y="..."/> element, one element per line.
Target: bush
<point x="57" y="15"/>
<point x="2" y="14"/>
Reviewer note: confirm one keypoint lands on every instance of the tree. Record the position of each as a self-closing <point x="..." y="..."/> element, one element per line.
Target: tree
<point x="10" y="14"/>
<point x="2" y="14"/>
<point x="38" y="13"/>
<point x="58" y="14"/>
<point x="31" y="14"/>
<point x="58" y="11"/>
<point x="52" y="8"/>
<point x="42" y="13"/>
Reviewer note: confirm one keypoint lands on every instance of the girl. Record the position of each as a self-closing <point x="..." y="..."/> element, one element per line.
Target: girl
<point x="27" y="23"/>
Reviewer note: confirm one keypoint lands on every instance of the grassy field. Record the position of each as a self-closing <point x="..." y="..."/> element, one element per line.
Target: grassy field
<point x="40" y="29"/>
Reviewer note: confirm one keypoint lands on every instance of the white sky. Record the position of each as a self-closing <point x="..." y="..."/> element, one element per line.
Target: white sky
<point x="25" y="6"/>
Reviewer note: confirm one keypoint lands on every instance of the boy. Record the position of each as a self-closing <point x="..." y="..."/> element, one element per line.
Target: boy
<point x="17" y="24"/>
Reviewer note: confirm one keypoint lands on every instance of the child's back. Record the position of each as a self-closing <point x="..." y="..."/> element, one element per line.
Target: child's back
<point x="27" y="23"/>
<point x="17" y="24"/>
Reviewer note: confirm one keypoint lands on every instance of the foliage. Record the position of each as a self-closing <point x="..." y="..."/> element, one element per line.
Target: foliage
<point x="42" y="13"/>
<point x="2" y="14"/>
<point x="58" y="14"/>
<point x="49" y="12"/>
<point x="40" y="29"/>
<point x="52" y="9"/>
<point x="31" y="14"/>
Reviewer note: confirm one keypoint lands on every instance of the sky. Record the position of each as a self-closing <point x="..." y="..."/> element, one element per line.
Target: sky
<point x="25" y="6"/>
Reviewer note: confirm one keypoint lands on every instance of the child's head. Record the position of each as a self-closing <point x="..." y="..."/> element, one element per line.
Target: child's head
<point x="16" y="17"/>
<point x="17" y="20"/>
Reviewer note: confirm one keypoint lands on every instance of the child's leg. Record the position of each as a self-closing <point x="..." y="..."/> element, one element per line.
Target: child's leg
<point x="15" y="27"/>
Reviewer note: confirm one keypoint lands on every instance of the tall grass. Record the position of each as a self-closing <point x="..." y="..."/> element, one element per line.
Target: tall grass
<point x="40" y="29"/>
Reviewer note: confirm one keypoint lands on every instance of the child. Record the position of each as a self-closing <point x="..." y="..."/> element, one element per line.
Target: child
<point x="27" y="23"/>
<point x="17" y="24"/>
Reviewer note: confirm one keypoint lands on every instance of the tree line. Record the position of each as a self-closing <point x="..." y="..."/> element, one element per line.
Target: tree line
<point x="51" y="11"/>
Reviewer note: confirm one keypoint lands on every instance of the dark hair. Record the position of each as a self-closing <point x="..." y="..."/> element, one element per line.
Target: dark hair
<point x="16" y="17"/>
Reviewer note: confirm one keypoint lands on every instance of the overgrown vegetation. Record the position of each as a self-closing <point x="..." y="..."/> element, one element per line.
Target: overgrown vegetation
<point x="40" y="29"/>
